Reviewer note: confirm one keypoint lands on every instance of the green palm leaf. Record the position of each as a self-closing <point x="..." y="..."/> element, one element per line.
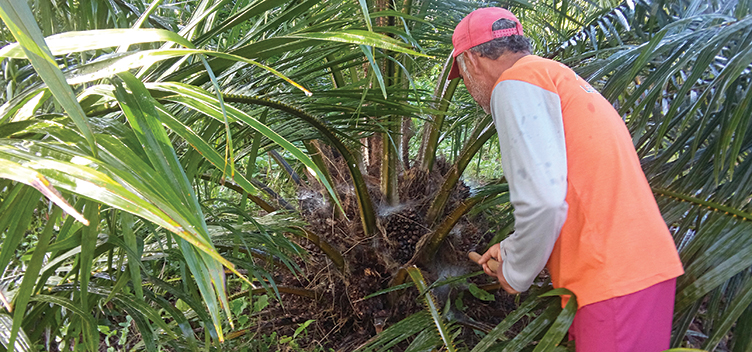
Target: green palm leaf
<point x="21" y="344"/>
<point x="432" y="307"/>
<point x="139" y="108"/>
<point x="18" y="17"/>
<point x="73" y="42"/>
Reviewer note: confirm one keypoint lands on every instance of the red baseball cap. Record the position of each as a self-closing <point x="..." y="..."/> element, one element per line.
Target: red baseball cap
<point x="476" y="29"/>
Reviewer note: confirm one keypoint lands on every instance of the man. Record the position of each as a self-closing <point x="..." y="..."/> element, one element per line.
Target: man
<point x="583" y="206"/>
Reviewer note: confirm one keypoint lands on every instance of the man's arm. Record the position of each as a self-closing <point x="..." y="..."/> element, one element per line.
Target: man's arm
<point x="533" y="155"/>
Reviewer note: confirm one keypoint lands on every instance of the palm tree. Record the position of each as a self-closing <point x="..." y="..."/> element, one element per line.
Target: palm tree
<point x="177" y="137"/>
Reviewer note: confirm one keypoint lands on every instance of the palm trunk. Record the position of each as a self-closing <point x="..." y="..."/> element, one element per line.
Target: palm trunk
<point x="389" y="154"/>
<point x="431" y="129"/>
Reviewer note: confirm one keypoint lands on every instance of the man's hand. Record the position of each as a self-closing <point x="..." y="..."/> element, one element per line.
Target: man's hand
<point x="495" y="253"/>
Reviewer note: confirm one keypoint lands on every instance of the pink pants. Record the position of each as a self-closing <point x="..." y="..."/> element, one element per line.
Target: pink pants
<point x="637" y="322"/>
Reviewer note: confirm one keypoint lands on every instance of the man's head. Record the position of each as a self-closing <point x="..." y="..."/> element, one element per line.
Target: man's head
<point x="480" y="38"/>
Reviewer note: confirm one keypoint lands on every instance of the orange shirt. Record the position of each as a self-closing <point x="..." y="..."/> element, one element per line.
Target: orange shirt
<point x="614" y="241"/>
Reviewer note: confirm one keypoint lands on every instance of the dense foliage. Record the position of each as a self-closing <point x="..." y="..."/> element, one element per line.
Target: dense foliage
<point x="261" y="175"/>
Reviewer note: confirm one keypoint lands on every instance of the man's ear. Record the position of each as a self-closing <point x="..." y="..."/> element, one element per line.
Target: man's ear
<point x="472" y="61"/>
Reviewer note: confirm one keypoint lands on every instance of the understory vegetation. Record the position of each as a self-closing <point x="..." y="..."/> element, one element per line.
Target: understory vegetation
<point x="298" y="175"/>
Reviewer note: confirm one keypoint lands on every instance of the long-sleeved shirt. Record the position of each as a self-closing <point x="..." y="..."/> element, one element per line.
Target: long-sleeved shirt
<point x="583" y="207"/>
<point x="534" y="159"/>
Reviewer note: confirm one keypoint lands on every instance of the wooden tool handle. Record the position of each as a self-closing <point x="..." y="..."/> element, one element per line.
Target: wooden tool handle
<point x="492" y="264"/>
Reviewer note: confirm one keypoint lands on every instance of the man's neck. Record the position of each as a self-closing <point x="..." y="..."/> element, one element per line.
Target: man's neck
<point x="505" y="62"/>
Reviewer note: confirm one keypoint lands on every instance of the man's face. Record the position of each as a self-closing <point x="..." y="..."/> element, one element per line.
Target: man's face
<point x="478" y="86"/>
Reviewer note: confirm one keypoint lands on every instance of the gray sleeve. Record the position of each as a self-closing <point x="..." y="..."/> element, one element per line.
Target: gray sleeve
<point x="533" y="156"/>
